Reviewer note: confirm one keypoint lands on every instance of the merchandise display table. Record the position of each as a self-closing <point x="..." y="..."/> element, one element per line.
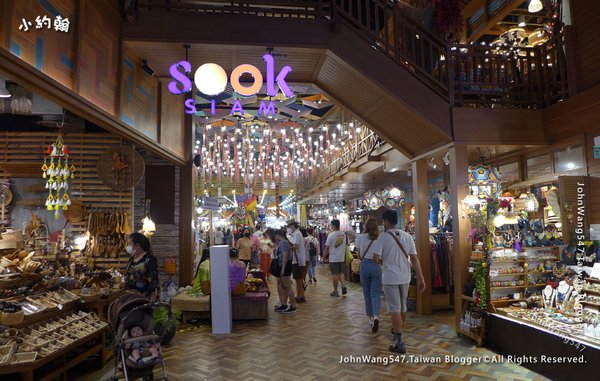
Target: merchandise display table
<point x="252" y="306"/>
<point x="536" y="347"/>
<point x="101" y="305"/>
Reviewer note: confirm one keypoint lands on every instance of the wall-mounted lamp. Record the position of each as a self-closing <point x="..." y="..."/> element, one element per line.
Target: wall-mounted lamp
<point x="4" y="93"/>
<point x="432" y="164"/>
<point x="446" y="158"/>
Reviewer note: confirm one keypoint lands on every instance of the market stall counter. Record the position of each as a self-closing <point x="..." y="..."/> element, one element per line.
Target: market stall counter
<point x="252" y="305"/>
<point x="544" y="350"/>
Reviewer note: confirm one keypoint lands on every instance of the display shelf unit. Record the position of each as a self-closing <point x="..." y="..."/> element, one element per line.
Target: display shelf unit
<point x="56" y="364"/>
<point x="529" y="256"/>
<point x="478" y="338"/>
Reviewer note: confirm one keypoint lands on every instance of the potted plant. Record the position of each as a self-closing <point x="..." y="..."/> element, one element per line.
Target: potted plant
<point x="166" y="321"/>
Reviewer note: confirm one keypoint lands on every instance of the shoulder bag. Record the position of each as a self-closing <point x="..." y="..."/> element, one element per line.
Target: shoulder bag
<point x="349" y="256"/>
<point x="399" y="244"/>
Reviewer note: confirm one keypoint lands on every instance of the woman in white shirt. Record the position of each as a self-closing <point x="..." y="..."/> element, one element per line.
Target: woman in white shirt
<point x="369" y="251"/>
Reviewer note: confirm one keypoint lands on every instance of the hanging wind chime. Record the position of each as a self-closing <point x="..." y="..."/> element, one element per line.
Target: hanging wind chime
<point x="57" y="174"/>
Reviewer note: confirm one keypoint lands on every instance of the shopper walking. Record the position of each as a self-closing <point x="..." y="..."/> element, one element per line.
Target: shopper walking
<point x="398" y="253"/>
<point x="314" y="250"/>
<point x="369" y="252"/>
<point x="266" y="250"/>
<point x="282" y="271"/>
<point x="298" y="258"/>
<point x="244" y="246"/>
<point x="219" y="236"/>
<point x="335" y="251"/>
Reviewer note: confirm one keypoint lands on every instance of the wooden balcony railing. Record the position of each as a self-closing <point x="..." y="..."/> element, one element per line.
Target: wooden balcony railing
<point x="354" y="150"/>
<point x="527" y="78"/>
<point x="466" y="75"/>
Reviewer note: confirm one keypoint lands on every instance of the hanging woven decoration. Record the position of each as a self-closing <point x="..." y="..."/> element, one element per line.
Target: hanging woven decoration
<point x="57" y="170"/>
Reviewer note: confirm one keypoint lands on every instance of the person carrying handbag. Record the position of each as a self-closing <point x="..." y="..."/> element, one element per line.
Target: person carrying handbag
<point x="369" y="253"/>
<point x="398" y="254"/>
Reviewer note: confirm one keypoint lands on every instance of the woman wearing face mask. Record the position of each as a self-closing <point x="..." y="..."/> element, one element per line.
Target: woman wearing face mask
<point x="141" y="274"/>
<point x="244" y="247"/>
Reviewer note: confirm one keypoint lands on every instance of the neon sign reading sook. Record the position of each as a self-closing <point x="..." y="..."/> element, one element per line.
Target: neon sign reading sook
<point x="211" y="79"/>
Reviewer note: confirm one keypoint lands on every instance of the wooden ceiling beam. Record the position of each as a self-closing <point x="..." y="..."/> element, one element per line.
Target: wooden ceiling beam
<point x="473" y="6"/>
<point x="495" y="19"/>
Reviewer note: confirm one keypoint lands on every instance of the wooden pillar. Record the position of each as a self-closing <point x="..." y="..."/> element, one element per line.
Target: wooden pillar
<point x="186" y="206"/>
<point x="421" y="202"/>
<point x="461" y="248"/>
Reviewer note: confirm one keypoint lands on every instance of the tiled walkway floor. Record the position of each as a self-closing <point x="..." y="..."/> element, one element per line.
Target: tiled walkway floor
<point x="309" y="344"/>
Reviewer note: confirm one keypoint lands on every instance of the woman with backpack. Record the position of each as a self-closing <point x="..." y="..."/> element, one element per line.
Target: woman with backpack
<point x="313" y="255"/>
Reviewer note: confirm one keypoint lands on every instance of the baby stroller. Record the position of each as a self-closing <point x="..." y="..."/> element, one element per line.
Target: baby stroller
<point x="128" y="311"/>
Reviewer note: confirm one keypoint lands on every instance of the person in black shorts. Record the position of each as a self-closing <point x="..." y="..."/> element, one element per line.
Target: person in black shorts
<point x="282" y="269"/>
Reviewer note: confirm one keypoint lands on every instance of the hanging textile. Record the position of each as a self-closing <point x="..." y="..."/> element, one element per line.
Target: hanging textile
<point x="441" y="262"/>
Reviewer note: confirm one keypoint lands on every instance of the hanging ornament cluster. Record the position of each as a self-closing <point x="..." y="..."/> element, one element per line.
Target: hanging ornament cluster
<point x="389" y="197"/>
<point x="57" y="171"/>
<point x="265" y="153"/>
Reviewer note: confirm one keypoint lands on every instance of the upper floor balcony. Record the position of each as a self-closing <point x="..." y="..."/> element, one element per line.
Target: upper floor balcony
<point x="519" y="69"/>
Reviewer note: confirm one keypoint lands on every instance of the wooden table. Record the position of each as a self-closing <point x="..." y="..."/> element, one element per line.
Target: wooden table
<point x="58" y="363"/>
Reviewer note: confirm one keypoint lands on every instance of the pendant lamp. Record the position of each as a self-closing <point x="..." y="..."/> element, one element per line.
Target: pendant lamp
<point x="535" y="6"/>
<point x="531" y="204"/>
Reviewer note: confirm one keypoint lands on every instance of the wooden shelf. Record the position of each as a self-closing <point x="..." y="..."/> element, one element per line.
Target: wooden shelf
<point x="467" y="298"/>
<point x="540" y="272"/>
<point x="505" y="287"/>
<point x="512" y="274"/>
<point x="593" y="280"/>
<point x="537" y="285"/>
<point x="507" y="300"/>
<point x="508" y="261"/>
<point x="590" y="303"/>
<point x="592" y="291"/>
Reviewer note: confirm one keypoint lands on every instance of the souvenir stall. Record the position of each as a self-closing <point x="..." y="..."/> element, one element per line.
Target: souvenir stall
<point x="65" y="223"/>
<point x="522" y="298"/>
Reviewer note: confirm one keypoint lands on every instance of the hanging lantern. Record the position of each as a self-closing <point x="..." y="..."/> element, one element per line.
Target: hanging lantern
<point x="532" y="204"/>
<point x="519" y="203"/>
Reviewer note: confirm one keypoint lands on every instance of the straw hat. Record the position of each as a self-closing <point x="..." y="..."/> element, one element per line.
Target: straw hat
<point x="76" y="212"/>
<point x="8" y="194"/>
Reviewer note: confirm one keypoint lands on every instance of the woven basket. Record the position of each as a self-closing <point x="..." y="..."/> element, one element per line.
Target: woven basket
<point x="11" y="318"/>
<point x="23" y="280"/>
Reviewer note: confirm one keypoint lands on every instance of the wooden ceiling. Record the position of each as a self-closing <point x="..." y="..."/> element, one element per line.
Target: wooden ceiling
<point x="380" y="93"/>
<point x="493" y="17"/>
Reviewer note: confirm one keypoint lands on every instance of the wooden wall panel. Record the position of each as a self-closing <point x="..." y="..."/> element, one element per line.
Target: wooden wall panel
<point x="586" y="18"/>
<point x="99" y="48"/>
<point x="48" y="50"/>
<point x="5" y="24"/>
<point x="580" y="115"/>
<point x="171" y="121"/>
<point x="139" y="96"/>
<point x="487" y="126"/>
<point x="28" y="148"/>
<point x="165" y="241"/>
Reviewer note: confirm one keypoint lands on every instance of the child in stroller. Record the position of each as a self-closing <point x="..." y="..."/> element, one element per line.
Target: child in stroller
<point x="138" y="349"/>
<point x="142" y="352"/>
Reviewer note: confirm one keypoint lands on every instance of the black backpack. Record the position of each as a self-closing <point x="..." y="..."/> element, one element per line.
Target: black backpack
<point x="312" y="249"/>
